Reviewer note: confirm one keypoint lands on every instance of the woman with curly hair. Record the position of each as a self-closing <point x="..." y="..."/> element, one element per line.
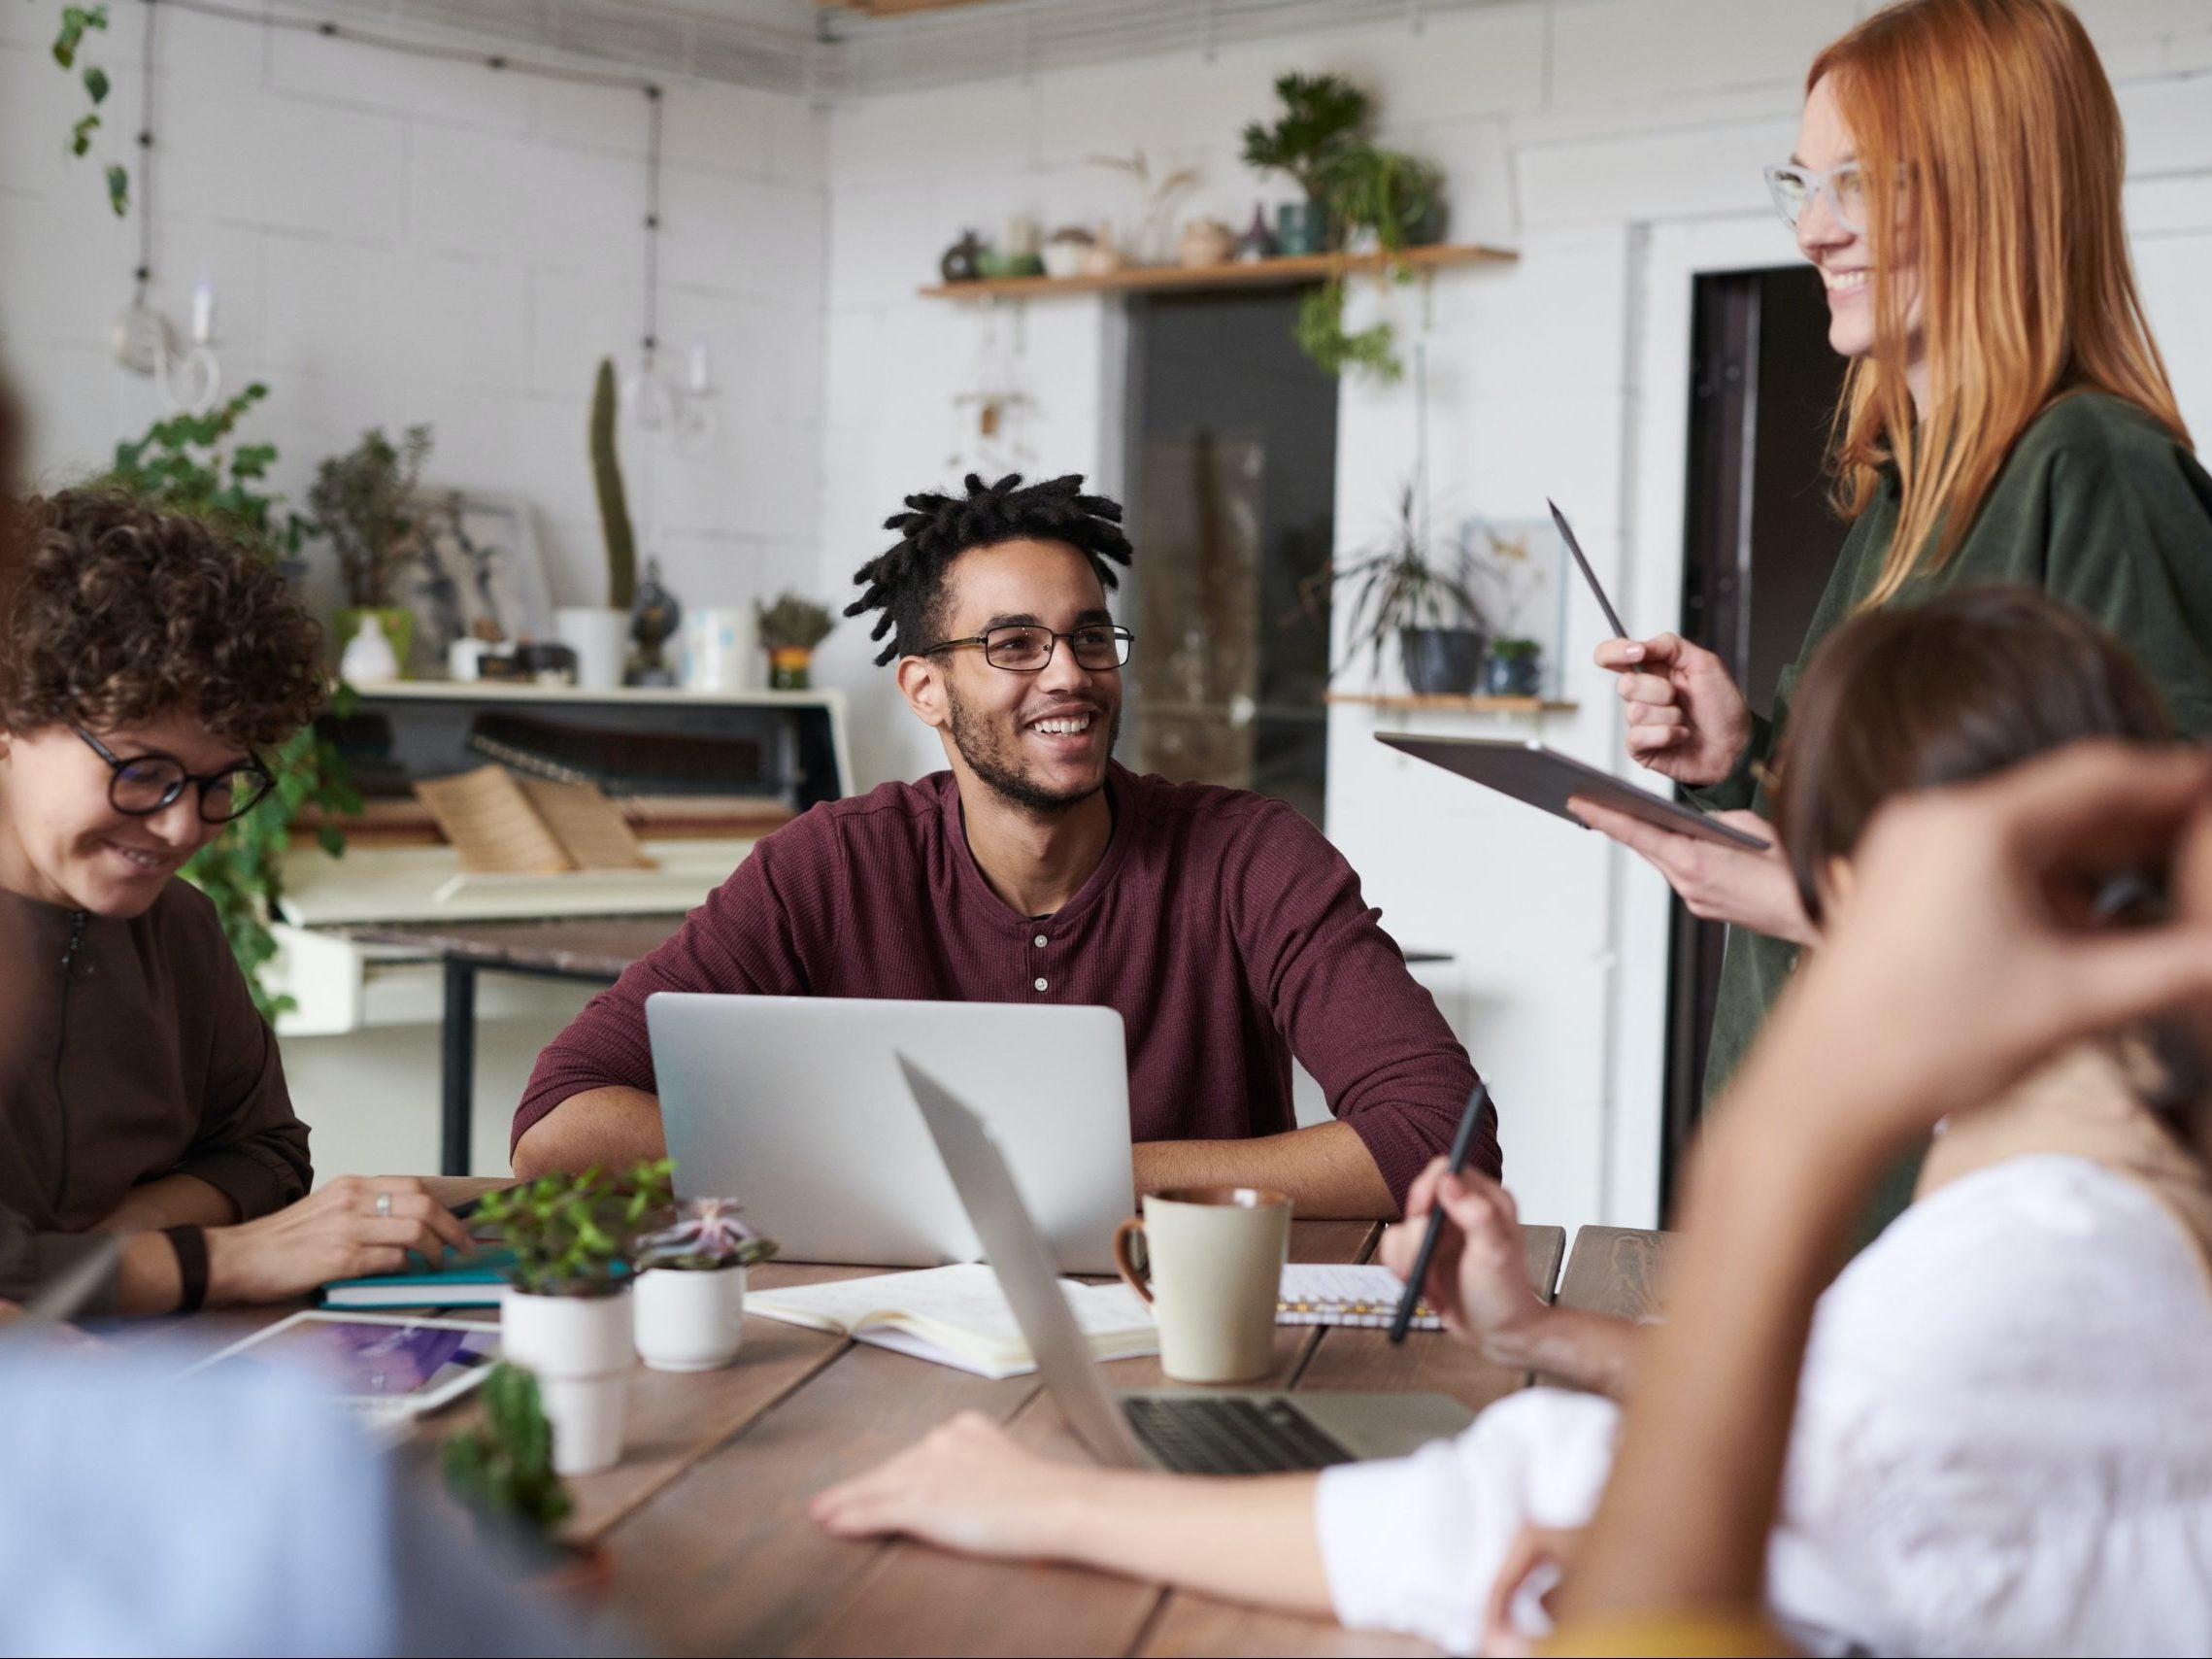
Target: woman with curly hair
<point x="152" y="661"/>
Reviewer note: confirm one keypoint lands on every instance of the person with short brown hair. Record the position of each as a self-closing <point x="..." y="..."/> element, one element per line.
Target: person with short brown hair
<point x="154" y="659"/>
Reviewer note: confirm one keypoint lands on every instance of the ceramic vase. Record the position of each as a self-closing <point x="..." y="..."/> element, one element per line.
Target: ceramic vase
<point x="722" y="648"/>
<point x="600" y="637"/>
<point x="689" y="1318"/>
<point x="1302" y="228"/>
<point x="372" y="643"/>
<point x="581" y="1348"/>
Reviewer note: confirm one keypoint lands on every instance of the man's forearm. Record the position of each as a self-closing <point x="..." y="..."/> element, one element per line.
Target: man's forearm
<point x="174" y="1201"/>
<point x="1325" y="1169"/>
<point x="613" y="1128"/>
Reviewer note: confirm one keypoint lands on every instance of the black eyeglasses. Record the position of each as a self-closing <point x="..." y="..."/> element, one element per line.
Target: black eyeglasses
<point x="1024" y="648"/>
<point x="147" y="784"/>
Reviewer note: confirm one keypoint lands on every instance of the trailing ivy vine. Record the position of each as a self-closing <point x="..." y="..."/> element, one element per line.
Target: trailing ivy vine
<point x="78" y="22"/>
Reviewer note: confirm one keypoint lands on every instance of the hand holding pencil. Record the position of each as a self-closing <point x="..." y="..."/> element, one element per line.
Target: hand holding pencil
<point x="1477" y="1272"/>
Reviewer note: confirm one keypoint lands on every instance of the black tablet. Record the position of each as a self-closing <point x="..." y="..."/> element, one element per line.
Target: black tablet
<point x="1543" y="777"/>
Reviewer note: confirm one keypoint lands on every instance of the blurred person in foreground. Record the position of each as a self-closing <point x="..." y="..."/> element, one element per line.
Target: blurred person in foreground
<point x="151" y="662"/>
<point x="1969" y="1470"/>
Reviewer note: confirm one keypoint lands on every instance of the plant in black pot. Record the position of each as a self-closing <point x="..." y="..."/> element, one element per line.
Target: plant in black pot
<point x="1511" y="581"/>
<point x="1321" y="114"/>
<point x="1401" y="593"/>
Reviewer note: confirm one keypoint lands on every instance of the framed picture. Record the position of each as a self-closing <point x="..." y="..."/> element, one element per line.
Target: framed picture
<point x="481" y="575"/>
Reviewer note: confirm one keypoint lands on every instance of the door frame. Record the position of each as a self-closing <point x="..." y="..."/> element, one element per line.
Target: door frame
<point x="1668" y="256"/>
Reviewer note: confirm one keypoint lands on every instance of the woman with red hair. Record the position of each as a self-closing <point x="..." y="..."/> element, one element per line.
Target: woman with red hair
<point x="2006" y="417"/>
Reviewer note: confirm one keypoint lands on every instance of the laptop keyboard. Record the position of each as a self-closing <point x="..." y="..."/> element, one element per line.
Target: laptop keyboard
<point x="1195" y="1435"/>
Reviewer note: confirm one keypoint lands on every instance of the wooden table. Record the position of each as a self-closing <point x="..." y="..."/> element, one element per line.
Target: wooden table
<point x="705" y="1517"/>
<point x="589" y="947"/>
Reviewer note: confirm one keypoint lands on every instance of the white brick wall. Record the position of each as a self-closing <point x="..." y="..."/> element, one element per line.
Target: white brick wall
<point x="394" y="238"/>
<point x="1571" y="130"/>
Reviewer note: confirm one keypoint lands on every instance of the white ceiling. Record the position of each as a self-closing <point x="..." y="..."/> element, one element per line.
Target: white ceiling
<point x="796" y="46"/>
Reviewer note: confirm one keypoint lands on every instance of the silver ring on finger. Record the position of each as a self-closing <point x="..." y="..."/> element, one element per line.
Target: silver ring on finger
<point x="384" y="1206"/>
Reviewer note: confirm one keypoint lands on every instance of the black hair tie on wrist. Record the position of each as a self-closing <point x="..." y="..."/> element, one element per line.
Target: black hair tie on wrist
<point x="191" y="1246"/>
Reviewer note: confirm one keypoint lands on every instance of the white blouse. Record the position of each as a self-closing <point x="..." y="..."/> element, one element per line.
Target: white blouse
<point x="2002" y="1444"/>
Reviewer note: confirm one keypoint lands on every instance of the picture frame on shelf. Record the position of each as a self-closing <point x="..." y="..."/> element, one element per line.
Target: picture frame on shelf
<point x="481" y="575"/>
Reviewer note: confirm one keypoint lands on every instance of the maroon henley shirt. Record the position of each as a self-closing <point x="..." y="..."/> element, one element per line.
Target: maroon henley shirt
<point x="1223" y="929"/>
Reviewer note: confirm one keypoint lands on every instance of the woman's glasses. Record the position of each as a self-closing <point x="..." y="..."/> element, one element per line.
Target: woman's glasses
<point x="1023" y="648"/>
<point x="1794" y="188"/>
<point x="146" y="784"/>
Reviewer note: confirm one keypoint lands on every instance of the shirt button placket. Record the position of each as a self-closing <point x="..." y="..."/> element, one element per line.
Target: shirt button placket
<point x="1041" y="941"/>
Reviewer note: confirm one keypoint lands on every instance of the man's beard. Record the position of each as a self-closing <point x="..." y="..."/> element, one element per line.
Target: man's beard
<point x="991" y="756"/>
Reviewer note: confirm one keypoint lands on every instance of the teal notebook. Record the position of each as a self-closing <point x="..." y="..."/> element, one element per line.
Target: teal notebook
<point x="474" y="1283"/>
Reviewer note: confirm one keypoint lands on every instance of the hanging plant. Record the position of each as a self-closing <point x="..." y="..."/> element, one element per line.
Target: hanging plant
<point x="78" y="22"/>
<point x="1320" y="334"/>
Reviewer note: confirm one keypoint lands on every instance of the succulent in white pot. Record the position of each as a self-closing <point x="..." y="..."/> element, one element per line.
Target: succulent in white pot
<point x="691" y="1286"/>
<point x="567" y="1313"/>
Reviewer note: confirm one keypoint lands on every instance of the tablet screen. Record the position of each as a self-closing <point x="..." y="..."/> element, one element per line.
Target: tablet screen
<point x="361" y="1359"/>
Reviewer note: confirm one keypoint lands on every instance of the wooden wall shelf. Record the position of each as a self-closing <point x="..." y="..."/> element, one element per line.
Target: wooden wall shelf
<point x="1255" y="273"/>
<point x="1453" y="705"/>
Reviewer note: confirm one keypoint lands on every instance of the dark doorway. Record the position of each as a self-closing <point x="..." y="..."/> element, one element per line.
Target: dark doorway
<point x="1758" y="544"/>
<point x="1232" y="488"/>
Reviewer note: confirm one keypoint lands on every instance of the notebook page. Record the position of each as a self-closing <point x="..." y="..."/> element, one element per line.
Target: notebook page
<point x="1329" y="1292"/>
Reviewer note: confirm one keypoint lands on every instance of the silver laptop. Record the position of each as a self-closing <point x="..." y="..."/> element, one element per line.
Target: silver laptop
<point x="795" y="1106"/>
<point x="1218" y="1432"/>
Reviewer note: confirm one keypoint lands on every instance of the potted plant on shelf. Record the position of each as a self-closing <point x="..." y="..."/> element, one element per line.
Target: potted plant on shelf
<point x="789" y="631"/>
<point x="364" y="503"/>
<point x="1320" y="114"/>
<point x="599" y="634"/>
<point x="691" y="1286"/>
<point x="1401" y="593"/>
<point x="566" y="1315"/>
<point x="1382" y="200"/>
<point x="1506" y="567"/>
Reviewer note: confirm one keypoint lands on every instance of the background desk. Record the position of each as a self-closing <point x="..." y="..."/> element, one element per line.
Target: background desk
<point x="705" y="1518"/>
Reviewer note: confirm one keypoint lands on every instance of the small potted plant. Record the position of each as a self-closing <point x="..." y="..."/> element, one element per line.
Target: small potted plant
<point x="1320" y="113"/>
<point x="691" y="1286"/>
<point x="1513" y="581"/>
<point x="364" y="503"/>
<point x="567" y="1313"/>
<point x="1400" y="594"/>
<point x="501" y="1472"/>
<point x="789" y="631"/>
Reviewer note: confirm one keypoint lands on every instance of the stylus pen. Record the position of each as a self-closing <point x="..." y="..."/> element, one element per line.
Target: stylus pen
<point x="1461" y="1144"/>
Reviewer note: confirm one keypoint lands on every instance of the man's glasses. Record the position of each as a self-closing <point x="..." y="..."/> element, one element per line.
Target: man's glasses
<point x="1024" y="648"/>
<point x="147" y="784"/>
<point x="1794" y="188"/>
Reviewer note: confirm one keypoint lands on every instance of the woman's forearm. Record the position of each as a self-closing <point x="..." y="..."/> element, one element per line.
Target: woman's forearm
<point x="173" y="1200"/>
<point x="1250" y="1538"/>
<point x="1695" y="1484"/>
<point x="1572" y="1348"/>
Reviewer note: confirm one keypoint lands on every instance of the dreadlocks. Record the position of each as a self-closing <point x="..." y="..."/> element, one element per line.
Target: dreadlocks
<point x="907" y="582"/>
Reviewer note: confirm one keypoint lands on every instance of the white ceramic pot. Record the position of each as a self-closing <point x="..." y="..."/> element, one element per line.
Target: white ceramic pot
<point x="600" y="637"/>
<point x="690" y="1319"/>
<point x="581" y="1348"/>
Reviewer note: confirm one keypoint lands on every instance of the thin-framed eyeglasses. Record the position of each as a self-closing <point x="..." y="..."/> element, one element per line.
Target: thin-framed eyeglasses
<point x="141" y="785"/>
<point x="1794" y="188"/>
<point x="1024" y="648"/>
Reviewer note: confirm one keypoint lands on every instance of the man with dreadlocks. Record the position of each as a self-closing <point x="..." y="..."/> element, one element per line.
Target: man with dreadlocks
<point x="1227" y="933"/>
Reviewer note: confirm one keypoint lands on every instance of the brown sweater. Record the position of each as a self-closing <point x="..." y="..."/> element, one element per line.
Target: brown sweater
<point x="1224" y="930"/>
<point x="130" y="1051"/>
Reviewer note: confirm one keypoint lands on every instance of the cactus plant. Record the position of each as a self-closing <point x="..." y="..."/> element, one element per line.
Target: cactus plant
<point x="504" y="1467"/>
<point x="614" y="505"/>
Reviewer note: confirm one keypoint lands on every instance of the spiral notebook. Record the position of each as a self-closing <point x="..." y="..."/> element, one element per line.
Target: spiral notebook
<point x="1323" y="1293"/>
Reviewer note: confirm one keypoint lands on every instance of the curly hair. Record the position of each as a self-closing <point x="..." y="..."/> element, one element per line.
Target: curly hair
<point x="906" y="582"/>
<point x="123" y="612"/>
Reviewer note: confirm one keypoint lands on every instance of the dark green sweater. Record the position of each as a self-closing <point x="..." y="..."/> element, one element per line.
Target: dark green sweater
<point x="2096" y="505"/>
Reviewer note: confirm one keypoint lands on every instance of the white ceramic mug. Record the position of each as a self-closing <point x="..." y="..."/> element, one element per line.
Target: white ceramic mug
<point x="722" y="648"/>
<point x="1214" y="1259"/>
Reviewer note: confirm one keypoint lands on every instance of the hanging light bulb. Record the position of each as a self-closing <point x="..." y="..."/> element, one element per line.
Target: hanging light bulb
<point x="648" y="399"/>
<point x="696" y="422"/>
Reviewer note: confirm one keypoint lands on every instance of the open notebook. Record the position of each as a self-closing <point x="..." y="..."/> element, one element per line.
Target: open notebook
<point x="957" y="1316"/>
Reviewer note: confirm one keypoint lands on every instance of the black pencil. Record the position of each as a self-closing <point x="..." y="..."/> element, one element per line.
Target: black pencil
<point x="1461" y="1144"/>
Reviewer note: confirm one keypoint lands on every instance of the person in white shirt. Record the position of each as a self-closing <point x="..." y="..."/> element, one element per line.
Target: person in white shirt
<point x="1999" y="1441"/>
